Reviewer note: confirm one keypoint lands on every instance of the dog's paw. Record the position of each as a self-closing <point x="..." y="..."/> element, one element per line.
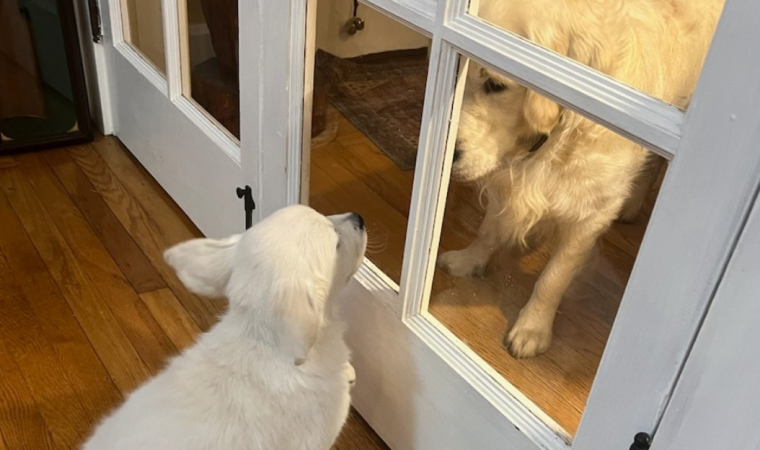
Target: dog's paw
<point x="350" y="374"/>
<point x="528" y="337"/>
<point x="461" y="263"/>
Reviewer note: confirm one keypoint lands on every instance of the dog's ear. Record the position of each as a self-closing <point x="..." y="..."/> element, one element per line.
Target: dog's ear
<point x="301" y="314"/>
<point x="541" y="113"/>
<point x="203" y="265"/>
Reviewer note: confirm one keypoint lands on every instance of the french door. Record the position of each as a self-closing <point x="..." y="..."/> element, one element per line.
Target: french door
<point x="432" y="369"/>
<point x="187" y="93"/>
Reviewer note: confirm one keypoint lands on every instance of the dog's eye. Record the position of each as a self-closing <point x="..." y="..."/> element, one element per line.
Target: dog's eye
<point x="492" y="86"/>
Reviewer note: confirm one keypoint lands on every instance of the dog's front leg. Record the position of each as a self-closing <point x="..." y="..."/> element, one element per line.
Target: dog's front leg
<point x="473" y="259"/>
<point x="532" y="332"/>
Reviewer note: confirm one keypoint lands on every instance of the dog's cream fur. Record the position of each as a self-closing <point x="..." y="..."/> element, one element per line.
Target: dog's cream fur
<point x="274" y="373"/>
<point x="584" y="176"/>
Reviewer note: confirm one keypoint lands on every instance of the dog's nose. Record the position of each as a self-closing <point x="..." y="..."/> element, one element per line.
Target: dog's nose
<point x="357" y="220"/>
<point x="457" y="152"/>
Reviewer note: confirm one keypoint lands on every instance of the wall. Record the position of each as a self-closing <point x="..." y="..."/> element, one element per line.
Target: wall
<point x="380" y="34"/>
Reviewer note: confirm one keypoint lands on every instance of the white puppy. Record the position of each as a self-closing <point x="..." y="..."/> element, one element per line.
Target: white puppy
<point x="274" y="373"/>
<point x="548" y="172"/>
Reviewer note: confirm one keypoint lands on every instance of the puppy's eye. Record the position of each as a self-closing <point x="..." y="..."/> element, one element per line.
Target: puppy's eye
<point x="492" y="86"/>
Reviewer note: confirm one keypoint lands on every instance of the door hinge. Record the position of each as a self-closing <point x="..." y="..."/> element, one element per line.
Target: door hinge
<point x="248" y="204"/>
<point x="642" y="441"/>
<point x="95" y="28"/>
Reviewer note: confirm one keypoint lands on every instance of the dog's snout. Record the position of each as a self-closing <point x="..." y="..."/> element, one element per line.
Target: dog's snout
<point x="457" y="152"/>
<point x="357" y="220"/>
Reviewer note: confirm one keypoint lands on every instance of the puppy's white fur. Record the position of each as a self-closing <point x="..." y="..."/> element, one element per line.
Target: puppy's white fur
<point x="583" y="176"/>
<point x="274" y="373"/>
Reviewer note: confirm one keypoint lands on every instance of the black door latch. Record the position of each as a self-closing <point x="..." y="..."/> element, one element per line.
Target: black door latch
<point x="642" y="441"/>
<point x="248" y="204"/>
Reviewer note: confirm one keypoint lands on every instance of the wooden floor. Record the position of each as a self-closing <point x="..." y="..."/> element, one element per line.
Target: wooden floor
<point x="350" y="173"/>
<point x="88" y="309"/>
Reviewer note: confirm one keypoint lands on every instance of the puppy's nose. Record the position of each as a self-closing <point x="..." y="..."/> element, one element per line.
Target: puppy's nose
<point x="357" y="220"/>
<point x="457" y="152"/>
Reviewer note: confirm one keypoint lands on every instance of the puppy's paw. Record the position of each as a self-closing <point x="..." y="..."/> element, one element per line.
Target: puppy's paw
<point x="528" y="337"/>
<point x="461" y="263"/>
<point x="350" y="374"/>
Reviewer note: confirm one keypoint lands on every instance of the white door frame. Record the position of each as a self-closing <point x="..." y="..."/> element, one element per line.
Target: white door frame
<point x="661" y="310"/>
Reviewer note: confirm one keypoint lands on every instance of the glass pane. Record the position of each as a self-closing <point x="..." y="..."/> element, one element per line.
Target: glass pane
<point x="210" y="60"/>
<point x="543" y="206"/>
<point x="369" y="87"/>
<point x="144" y="29"/>
<point x="37" y="100"/>
<point x="657" y="47"/>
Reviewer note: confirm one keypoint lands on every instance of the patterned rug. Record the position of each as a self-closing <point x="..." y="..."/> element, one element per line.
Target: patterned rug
<point x="382" y="95"/>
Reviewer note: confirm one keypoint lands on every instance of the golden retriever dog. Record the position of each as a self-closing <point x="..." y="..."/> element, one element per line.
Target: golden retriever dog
<point x="274" y="373"/>
<point x="549" y="173"/>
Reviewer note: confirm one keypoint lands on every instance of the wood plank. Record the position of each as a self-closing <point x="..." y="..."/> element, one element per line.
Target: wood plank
<point x="357" y="435"/>
<point x="21" y="423"/>
<point x="7" y="162"/>
<point x="78" y="360"/>
<point x="172" y="317"/>
<point x="36" y="360"/>
<point x="152" y="232"/>
<point x="102" y="328"/>
<point x="146" y="336"/>
<point x="128" y="256"/>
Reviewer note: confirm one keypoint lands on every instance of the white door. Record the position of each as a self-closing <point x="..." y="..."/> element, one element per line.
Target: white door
<point x="187" y="95"/>
<point x="432" y="372"/>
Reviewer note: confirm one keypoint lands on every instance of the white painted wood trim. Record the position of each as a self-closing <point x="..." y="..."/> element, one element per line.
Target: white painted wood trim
<point x="409" y="394"/>
<point x="418" y="14"/>
<point x="310" y="49"/>
<point x="374" y="280"/>
<point x="219" y="135"/>
<point x="173" y="45"/>
<point x="715" y="404"/>
<point x="299" y="100"/>
<point x="430" y="179"/>
<point x="268" y="123"/>
<point x="702" y="206"/>
<point x="143" y="66"/>
<point x="635" y="115"/>
<point x="505" y="397"/>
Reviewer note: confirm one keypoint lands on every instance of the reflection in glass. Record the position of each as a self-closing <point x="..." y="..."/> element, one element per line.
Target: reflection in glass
<point x="144" y="29"/>
<point x="544" y="217"/>
<point x="657" y="47"/>
<point x="41" y="83"/>
<point x="369" y="87"/>
<point x="211" y="61"/>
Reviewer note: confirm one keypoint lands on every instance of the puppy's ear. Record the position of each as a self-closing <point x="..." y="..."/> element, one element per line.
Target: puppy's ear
<point x="301" y="314"/>
<point x="203" y="265"/>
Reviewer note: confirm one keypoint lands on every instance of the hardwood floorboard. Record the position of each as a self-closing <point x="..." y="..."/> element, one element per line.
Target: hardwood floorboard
<point x="143" y="332"/>
<point x="103" y="330"/>
<point x="89" y="378"/>
<point x="128" y="256"/>
<point x="21" y="423"/>
<point x="21" y="334"/>
<point x="143" y="214"/>
<point x="172" y="317"/>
